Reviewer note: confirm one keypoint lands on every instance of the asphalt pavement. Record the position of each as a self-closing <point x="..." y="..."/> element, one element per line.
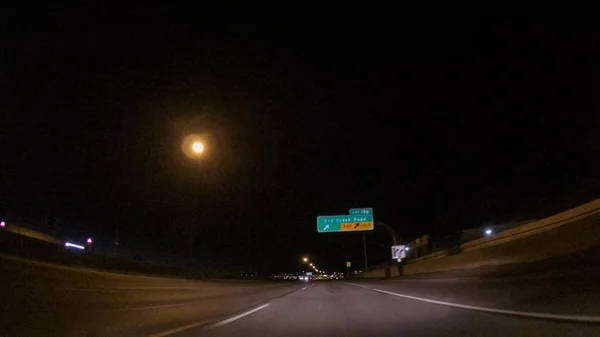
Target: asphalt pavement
<point x="345" y="309"/>
<point x="40" y="299"/>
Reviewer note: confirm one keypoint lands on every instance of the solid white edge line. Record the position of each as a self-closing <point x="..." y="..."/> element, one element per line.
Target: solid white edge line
<point x="358" y="285"/>
<point x="229" y="320"/>
<point x="180" y="329"/>
<point x="569" y="318"/>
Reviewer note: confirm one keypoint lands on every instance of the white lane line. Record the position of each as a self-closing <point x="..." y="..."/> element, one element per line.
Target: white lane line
<point x="358" y="285"/>
<point x="568" y="318"/>
<point x="180" y="329"/>
<point x="234" y="318"/>
<point x="163" y="306"/>
<point x="303" y="288"/>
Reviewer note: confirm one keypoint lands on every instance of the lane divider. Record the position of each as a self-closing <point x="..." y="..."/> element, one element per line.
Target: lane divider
<point x="218" y="324"/>
<point x="162" y="306"/>
<point x="557" y="317"/>
<point x="235" y="318"/>
<point x="179" y="329"/>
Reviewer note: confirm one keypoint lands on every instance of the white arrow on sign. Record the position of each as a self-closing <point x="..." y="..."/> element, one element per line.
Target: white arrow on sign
<point x="326" y="227"/>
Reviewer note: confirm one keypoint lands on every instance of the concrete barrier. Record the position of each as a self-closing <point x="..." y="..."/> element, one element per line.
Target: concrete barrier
<point x="381" y="272"/>
<point x="569" y="232"/>
<point x="20" y="230"/>
<point x="21" y="242"/>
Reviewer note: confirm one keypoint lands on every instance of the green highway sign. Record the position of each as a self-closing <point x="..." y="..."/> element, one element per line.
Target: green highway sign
<point x="343" y="223"/>
<point x="361" y="211"/>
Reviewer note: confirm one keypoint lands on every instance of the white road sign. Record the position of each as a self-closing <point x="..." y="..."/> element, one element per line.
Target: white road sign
<point x="398" y="252"/>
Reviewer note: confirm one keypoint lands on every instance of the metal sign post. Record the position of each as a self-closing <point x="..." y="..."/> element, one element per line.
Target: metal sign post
<point x="365" y="250"/>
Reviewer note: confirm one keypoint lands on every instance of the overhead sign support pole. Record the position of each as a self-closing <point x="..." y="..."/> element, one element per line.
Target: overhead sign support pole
<point x="365" y="250"/>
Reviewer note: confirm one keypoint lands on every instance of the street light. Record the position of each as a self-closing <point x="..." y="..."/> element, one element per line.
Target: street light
<point x="305" y="259"/>
<point x="311" y="264"/>
<point x="197" y="147"/>
<point x="194" y="146"/>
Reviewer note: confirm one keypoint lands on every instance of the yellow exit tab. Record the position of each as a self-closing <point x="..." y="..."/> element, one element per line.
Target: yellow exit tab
<point x="356" y="226"/>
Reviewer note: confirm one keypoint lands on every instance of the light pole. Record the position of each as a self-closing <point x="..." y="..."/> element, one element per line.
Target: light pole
<point x="194" y="147"/>
<point x="365" y="250"/>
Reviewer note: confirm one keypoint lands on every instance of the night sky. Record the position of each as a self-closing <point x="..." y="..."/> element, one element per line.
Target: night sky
<point x="437" y="125"/>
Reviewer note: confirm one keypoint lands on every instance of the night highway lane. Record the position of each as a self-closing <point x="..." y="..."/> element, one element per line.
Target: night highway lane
<point x="39" y="299"/>
<point x="343" y="309"/>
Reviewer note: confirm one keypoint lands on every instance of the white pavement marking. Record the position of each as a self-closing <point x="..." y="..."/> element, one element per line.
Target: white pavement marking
<point x="229" y="320"/>
<point x="177" y="330"/>
<point x="303" y="288"/>
<point x="568" y="318"/>
<point x="163" y="306"/>
<point x="358" y="285"/>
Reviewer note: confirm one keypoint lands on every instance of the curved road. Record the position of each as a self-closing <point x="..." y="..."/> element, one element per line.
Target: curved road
<point x="41" y="299"/>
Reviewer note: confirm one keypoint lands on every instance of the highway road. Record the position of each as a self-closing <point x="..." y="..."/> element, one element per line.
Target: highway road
<point x="40" y="299"/>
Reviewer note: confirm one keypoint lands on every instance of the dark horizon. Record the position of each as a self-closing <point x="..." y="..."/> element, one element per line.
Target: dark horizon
<point x="437" y="129"/>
